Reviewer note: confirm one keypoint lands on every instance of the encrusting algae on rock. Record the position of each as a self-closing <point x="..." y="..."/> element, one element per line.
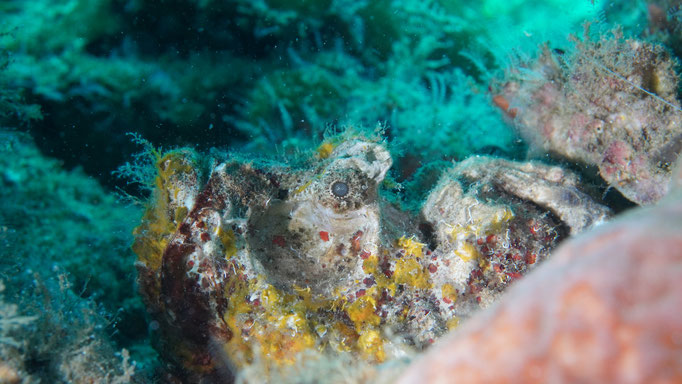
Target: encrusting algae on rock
<point x="262" y="264"/>
<point x="610" y="104"/>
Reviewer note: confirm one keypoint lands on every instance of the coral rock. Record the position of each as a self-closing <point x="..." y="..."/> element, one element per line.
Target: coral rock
<point x="610" y="104"/>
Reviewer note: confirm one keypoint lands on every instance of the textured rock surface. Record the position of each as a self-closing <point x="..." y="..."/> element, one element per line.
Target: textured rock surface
<point x="603" y="309"/>
<point x="610" y="104"/>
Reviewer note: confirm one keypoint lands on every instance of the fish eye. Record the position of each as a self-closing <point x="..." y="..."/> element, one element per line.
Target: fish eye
<point x="339" y="189"/>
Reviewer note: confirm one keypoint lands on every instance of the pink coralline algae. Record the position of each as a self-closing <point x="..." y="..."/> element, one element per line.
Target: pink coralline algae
<point x="603" y="309"/>
<point x="610" y="104"/>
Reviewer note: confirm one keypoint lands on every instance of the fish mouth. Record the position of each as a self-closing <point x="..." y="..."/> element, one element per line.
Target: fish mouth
<point x="316" y="215"/>
<point x="307" y="244"/>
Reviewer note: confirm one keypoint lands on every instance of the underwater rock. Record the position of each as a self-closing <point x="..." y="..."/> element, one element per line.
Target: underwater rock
<point x="610" y="104"/>
<point x="604" y="308"/>
<point x="267" y="261"/>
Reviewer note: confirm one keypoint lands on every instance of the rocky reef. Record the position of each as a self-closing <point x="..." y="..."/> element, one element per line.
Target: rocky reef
<point x="610" y="104"/>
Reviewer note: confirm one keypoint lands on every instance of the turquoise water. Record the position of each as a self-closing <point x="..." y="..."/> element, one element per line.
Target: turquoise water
<point x="263" y="78"/>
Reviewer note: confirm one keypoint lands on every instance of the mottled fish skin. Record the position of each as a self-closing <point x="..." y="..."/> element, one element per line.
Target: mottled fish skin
<point x="318" y="232"/>
<point x="278" y="258"/>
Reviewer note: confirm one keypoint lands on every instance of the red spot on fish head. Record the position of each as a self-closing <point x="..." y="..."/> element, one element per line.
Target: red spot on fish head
<point x="324" y="235"/>
<point x="355" y="241"/>
<point x="279" y="240"/>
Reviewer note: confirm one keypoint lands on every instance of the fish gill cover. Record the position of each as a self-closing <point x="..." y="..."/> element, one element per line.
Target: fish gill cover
<point x="270" y="190"/>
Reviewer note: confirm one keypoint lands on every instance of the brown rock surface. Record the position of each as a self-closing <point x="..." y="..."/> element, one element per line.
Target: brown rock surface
<point x="606" y="308"/>
<point x="609" y="103"/>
